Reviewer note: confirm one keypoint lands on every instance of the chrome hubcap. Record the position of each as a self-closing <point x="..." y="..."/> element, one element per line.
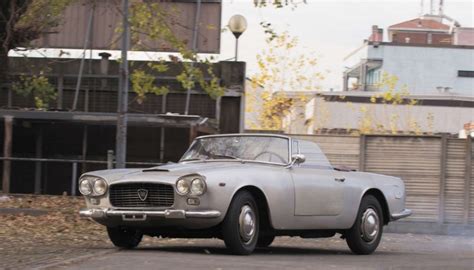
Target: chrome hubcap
<point x="247" y="223"/>
<point x="369" y="226"/>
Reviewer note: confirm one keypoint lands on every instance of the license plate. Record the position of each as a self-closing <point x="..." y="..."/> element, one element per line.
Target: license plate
<point x="134" y="217"/>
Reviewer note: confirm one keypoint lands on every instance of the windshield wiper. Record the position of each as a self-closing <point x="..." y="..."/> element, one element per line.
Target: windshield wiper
<point x="225" y="157"/>
<point x="193" y="159"/>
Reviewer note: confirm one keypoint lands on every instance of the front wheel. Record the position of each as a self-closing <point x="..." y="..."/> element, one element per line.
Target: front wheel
<point x="364" y="236"/>
<point x="127" y="238"/>
<point x="265" y="240"/>
<point x="241" y="224"/>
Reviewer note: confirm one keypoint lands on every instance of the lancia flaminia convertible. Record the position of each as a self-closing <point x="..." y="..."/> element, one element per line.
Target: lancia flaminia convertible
<point x="245" y="189"/>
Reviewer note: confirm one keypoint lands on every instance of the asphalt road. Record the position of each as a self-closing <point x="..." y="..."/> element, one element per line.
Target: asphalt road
<point x="397" y="251"/>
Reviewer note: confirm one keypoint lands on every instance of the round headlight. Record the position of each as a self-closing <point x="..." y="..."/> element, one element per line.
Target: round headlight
<point x="198" y="186"/>
<point x="100" y="186"/>
<point x="182" y="187"/>
<point x="85" y="187"/>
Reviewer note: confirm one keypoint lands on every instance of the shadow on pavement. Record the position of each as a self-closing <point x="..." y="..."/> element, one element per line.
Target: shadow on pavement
<point x="277" y="250"/>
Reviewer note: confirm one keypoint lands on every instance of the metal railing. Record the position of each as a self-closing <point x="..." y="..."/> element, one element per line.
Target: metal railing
<point x="74" y="166"/>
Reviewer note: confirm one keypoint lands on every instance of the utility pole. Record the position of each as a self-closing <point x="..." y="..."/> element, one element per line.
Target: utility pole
<point x="197" y="18"/>
<point x="121" y="137"/>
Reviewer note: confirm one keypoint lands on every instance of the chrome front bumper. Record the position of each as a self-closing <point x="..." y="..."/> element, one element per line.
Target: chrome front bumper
<point x="402" y="214"/>
<point x="136" y="215"/>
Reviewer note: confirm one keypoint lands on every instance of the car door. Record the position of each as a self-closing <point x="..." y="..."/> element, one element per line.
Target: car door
<point x="319" y="190"/>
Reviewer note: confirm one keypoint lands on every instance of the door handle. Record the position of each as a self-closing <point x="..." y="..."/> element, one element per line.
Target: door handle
<point x="342" y="179"/>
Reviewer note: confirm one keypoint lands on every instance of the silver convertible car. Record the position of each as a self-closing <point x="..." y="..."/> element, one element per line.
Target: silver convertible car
<point x="245" y="189"/>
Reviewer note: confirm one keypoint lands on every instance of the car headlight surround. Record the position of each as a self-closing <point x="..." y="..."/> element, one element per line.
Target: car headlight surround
<point x="99" y="187"/>
<point x="92" y="186"/>
<point x="182" y="186"/>
<point x="194" y="185"/>
<point x="85" y="187"/>
<point x="198" y="186"/>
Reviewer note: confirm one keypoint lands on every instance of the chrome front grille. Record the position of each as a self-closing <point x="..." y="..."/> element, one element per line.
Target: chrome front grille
<point x="127" y="195"/>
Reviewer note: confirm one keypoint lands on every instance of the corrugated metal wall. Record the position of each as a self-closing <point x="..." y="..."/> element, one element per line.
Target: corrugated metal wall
<point x="415" y="160"/>
<point x="438" y="171"/>
<point x="107" y="17"/>
<point x="471" y="187"/>
<point x="340" y="150"/>
<point x="455" y="178"/>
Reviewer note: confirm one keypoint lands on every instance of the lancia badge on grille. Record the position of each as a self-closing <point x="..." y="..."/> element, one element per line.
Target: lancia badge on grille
<point x="142" y="194"/>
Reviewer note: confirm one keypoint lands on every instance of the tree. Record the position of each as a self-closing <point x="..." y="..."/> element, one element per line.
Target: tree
<point x="150" y="21"/>
<point x="391" y="95"/>
<point x="278" y="3"/>
<point x="22" y="21"/>
<point x="281" y="68"/>
<point x="39" y="87"/>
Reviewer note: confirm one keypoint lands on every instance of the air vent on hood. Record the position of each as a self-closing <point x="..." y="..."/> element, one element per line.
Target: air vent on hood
<point x="156" y="170"/>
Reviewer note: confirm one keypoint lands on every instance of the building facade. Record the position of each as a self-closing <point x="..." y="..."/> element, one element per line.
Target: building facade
<point x="433" y="59"/>
<point x="426" y="55"/>
<point x="45" y="150"/>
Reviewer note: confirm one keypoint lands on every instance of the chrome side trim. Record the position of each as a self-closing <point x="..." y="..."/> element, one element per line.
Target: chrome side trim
<point x="168" y="213"/>
<point x="402" y="214"/>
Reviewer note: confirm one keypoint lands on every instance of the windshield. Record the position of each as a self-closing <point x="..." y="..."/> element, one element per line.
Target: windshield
<point x="248" y="148"/>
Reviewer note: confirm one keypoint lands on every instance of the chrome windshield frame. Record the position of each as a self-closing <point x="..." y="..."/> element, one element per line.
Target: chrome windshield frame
<point x="288" y="138"/>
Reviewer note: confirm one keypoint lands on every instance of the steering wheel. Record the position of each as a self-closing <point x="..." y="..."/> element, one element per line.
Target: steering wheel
<point x="271" y="154"/>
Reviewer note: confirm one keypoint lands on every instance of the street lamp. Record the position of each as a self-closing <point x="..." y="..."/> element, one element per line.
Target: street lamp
<point x="237" y="25"/>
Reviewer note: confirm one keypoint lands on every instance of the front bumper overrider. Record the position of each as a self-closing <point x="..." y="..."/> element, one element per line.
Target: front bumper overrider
<point x="402" y="214"/>
<point x="136" y="215"/>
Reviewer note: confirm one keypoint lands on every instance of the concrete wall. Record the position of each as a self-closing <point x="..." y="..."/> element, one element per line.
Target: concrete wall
<point x="346" y="115"/>
<point x="423" y="69"/>
<point x="464" y="36"/>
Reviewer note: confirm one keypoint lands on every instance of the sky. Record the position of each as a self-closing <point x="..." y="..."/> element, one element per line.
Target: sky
<point x="331" y="28"/>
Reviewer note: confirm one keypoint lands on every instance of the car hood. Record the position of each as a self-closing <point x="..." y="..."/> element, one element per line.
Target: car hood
<point x="168" y="173"/>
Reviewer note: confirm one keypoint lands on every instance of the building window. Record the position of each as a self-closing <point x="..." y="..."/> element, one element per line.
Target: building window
<point x="373" y="76"/>
<point x="466" y="73"/>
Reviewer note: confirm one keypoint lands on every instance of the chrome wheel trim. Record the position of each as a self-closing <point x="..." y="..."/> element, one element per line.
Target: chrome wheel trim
<point x="370" y="225"/>
<point x="247" y="224"/>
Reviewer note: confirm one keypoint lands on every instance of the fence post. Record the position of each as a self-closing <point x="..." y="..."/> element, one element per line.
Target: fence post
<point x="162" y="129"/>
<point x="467" y="179"/>
<point x="110" y="159"/>
<point x="60" y="90"/>
<point x="362" y="149"/>
<point x="74" y="179"/>
<point x="442" y="179"/>
<point x="10" y="97"/>
<point x="38" y="154"/>
<point x="7" y="153"/>
<point x="193" y="133"/>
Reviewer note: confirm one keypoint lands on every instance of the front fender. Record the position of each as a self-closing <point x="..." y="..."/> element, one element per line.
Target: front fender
<point x="274" y="183"/>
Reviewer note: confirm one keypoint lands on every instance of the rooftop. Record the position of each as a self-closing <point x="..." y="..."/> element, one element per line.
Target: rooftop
<point x="420" y="24"/>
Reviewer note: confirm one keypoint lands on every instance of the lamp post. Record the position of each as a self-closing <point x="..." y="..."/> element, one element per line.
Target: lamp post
<point x="237" y="25"/>
<point x="122" y="118"/>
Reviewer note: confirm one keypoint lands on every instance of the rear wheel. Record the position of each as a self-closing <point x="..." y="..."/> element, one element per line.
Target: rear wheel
<point x="127" y="238"/>
<point x="364" y="236"/>
<point x="241" y="224"/>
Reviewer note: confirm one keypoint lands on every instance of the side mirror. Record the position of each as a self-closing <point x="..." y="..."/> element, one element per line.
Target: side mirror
<point x="297" y="159"/>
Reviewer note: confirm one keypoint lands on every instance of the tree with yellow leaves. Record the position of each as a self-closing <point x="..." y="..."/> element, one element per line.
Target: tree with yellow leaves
<point x="390" y="95"/>
<point x="282" y="67"/>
